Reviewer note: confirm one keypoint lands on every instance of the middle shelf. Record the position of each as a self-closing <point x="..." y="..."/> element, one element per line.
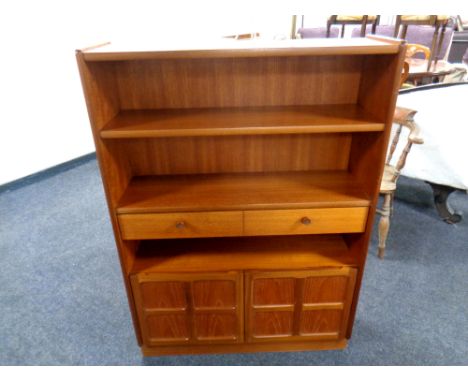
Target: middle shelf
<point x="244" y="191"/>
<point x="253" y="204"/>
<point x="241" y="121"/>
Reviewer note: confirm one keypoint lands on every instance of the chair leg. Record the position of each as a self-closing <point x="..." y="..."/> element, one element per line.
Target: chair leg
<point x="363" y="26"/>
<point x="374" y="25"/>
<point x="439" y="45"/>
<point x="384" y="224"/>
<point x="433" y="46"/>
<point x="404" y="31"/>
<point x="397" y="27"/>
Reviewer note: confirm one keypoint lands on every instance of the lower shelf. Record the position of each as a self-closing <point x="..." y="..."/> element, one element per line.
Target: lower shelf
<point x="227" y="254"/>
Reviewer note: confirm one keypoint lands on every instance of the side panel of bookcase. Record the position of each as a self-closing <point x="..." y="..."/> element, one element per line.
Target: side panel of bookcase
<point x="378" y="93"/>
<point x="99" y="86"/>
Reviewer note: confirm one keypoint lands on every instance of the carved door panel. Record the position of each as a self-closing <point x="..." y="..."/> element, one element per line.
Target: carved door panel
<point x="189" y="308"/>
<point x="298" y="305"/>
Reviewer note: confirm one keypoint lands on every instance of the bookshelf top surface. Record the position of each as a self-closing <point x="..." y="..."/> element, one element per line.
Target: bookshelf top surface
<point x="220" y="48"/>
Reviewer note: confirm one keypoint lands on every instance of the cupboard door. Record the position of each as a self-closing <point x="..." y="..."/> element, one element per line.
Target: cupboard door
<point x="189" y="308"/>
<point x="298" y="305"/>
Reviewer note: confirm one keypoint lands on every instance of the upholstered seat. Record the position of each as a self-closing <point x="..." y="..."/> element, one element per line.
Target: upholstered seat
<point x="424" y="17"/>
<point x="357" y="18"/>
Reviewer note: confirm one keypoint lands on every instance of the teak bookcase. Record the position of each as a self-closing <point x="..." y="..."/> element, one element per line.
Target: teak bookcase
<point x="242" y="181"/>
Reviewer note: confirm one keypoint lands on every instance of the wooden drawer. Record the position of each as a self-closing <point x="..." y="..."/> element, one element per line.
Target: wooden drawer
<point x="180" y="225"/>
<point x="305" y="221"/>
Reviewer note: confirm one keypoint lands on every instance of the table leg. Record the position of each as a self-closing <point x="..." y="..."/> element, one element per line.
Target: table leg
<point x="441" y="194"/>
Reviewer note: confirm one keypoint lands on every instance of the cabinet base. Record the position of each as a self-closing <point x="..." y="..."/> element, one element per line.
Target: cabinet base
<point x="243" y="348"/>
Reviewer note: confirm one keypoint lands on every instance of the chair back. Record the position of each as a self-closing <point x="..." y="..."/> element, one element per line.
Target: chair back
<point x="403" y="118"/>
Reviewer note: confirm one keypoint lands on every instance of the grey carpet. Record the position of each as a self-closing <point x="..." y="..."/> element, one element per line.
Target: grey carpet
<point x="62" y="299"/>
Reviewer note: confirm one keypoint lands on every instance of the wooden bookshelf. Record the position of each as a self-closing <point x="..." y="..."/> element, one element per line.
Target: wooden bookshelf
<point x="242" y="180"/>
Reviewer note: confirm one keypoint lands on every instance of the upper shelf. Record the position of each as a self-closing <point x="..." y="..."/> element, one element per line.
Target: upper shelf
<point x="240" y="121"/>
<point x="220" y="48"/>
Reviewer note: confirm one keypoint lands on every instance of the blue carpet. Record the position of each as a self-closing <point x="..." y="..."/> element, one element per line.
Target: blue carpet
<point x="62" y="300"/>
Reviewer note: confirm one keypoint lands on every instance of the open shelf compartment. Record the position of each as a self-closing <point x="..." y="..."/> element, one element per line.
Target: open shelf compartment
<point x="247" y="253"/>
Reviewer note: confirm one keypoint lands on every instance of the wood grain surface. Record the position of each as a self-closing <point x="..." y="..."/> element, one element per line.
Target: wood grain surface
<point x="229" y="138"/>
<point x="148" y="49"/>
<point x="221" y="192"/>
<point x="240" y="121"/>
<point x="221" y="254"/>
<point x="234" y="154"/>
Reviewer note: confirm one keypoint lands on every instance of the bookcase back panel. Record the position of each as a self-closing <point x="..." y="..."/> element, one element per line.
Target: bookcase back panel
<point x="238" y="82"/>
<point x="233" y="154"/>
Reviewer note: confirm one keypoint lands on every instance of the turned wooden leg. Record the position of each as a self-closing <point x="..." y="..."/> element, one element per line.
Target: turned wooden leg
<point x="397" y="27"/>
<point x="328" y="28"/>
<point x="384" y="224"/>
<point x="433" y="47"/>
<point x="439" y="45"/>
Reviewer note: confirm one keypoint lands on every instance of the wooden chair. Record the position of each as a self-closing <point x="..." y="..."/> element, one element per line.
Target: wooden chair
<point x="404" y="118"/>
<point x="344" y="20"/>
<point x="411" y="51"/>
<point x="436" y="21"/>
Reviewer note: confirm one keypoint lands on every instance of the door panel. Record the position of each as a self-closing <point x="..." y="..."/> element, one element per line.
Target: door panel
<point x="189" y="308"/>
<point x="273" y="291"/>
<point x="323" y="322"/>
<point x="168" y="294"/>
<point x="212" y="326"/>
<point x="298" y="305"/>
<point x="324" y="289"/>
<point x="212" y="294"/>
<point x="168" y="327"/>
<point x="272" y="324"/>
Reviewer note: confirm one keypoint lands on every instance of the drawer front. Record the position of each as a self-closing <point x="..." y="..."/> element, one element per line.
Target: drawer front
<point x="180" y="225"/>
<point x="305" y="221"/>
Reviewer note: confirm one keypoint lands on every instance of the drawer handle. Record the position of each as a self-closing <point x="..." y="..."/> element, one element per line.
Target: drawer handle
<point x="305" y="220"/>
<point x="180" y="225"/>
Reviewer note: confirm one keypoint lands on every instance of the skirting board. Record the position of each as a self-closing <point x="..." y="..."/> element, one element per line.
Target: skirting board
<point x="47" y="173"/>
<point x="243" y="348"/>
